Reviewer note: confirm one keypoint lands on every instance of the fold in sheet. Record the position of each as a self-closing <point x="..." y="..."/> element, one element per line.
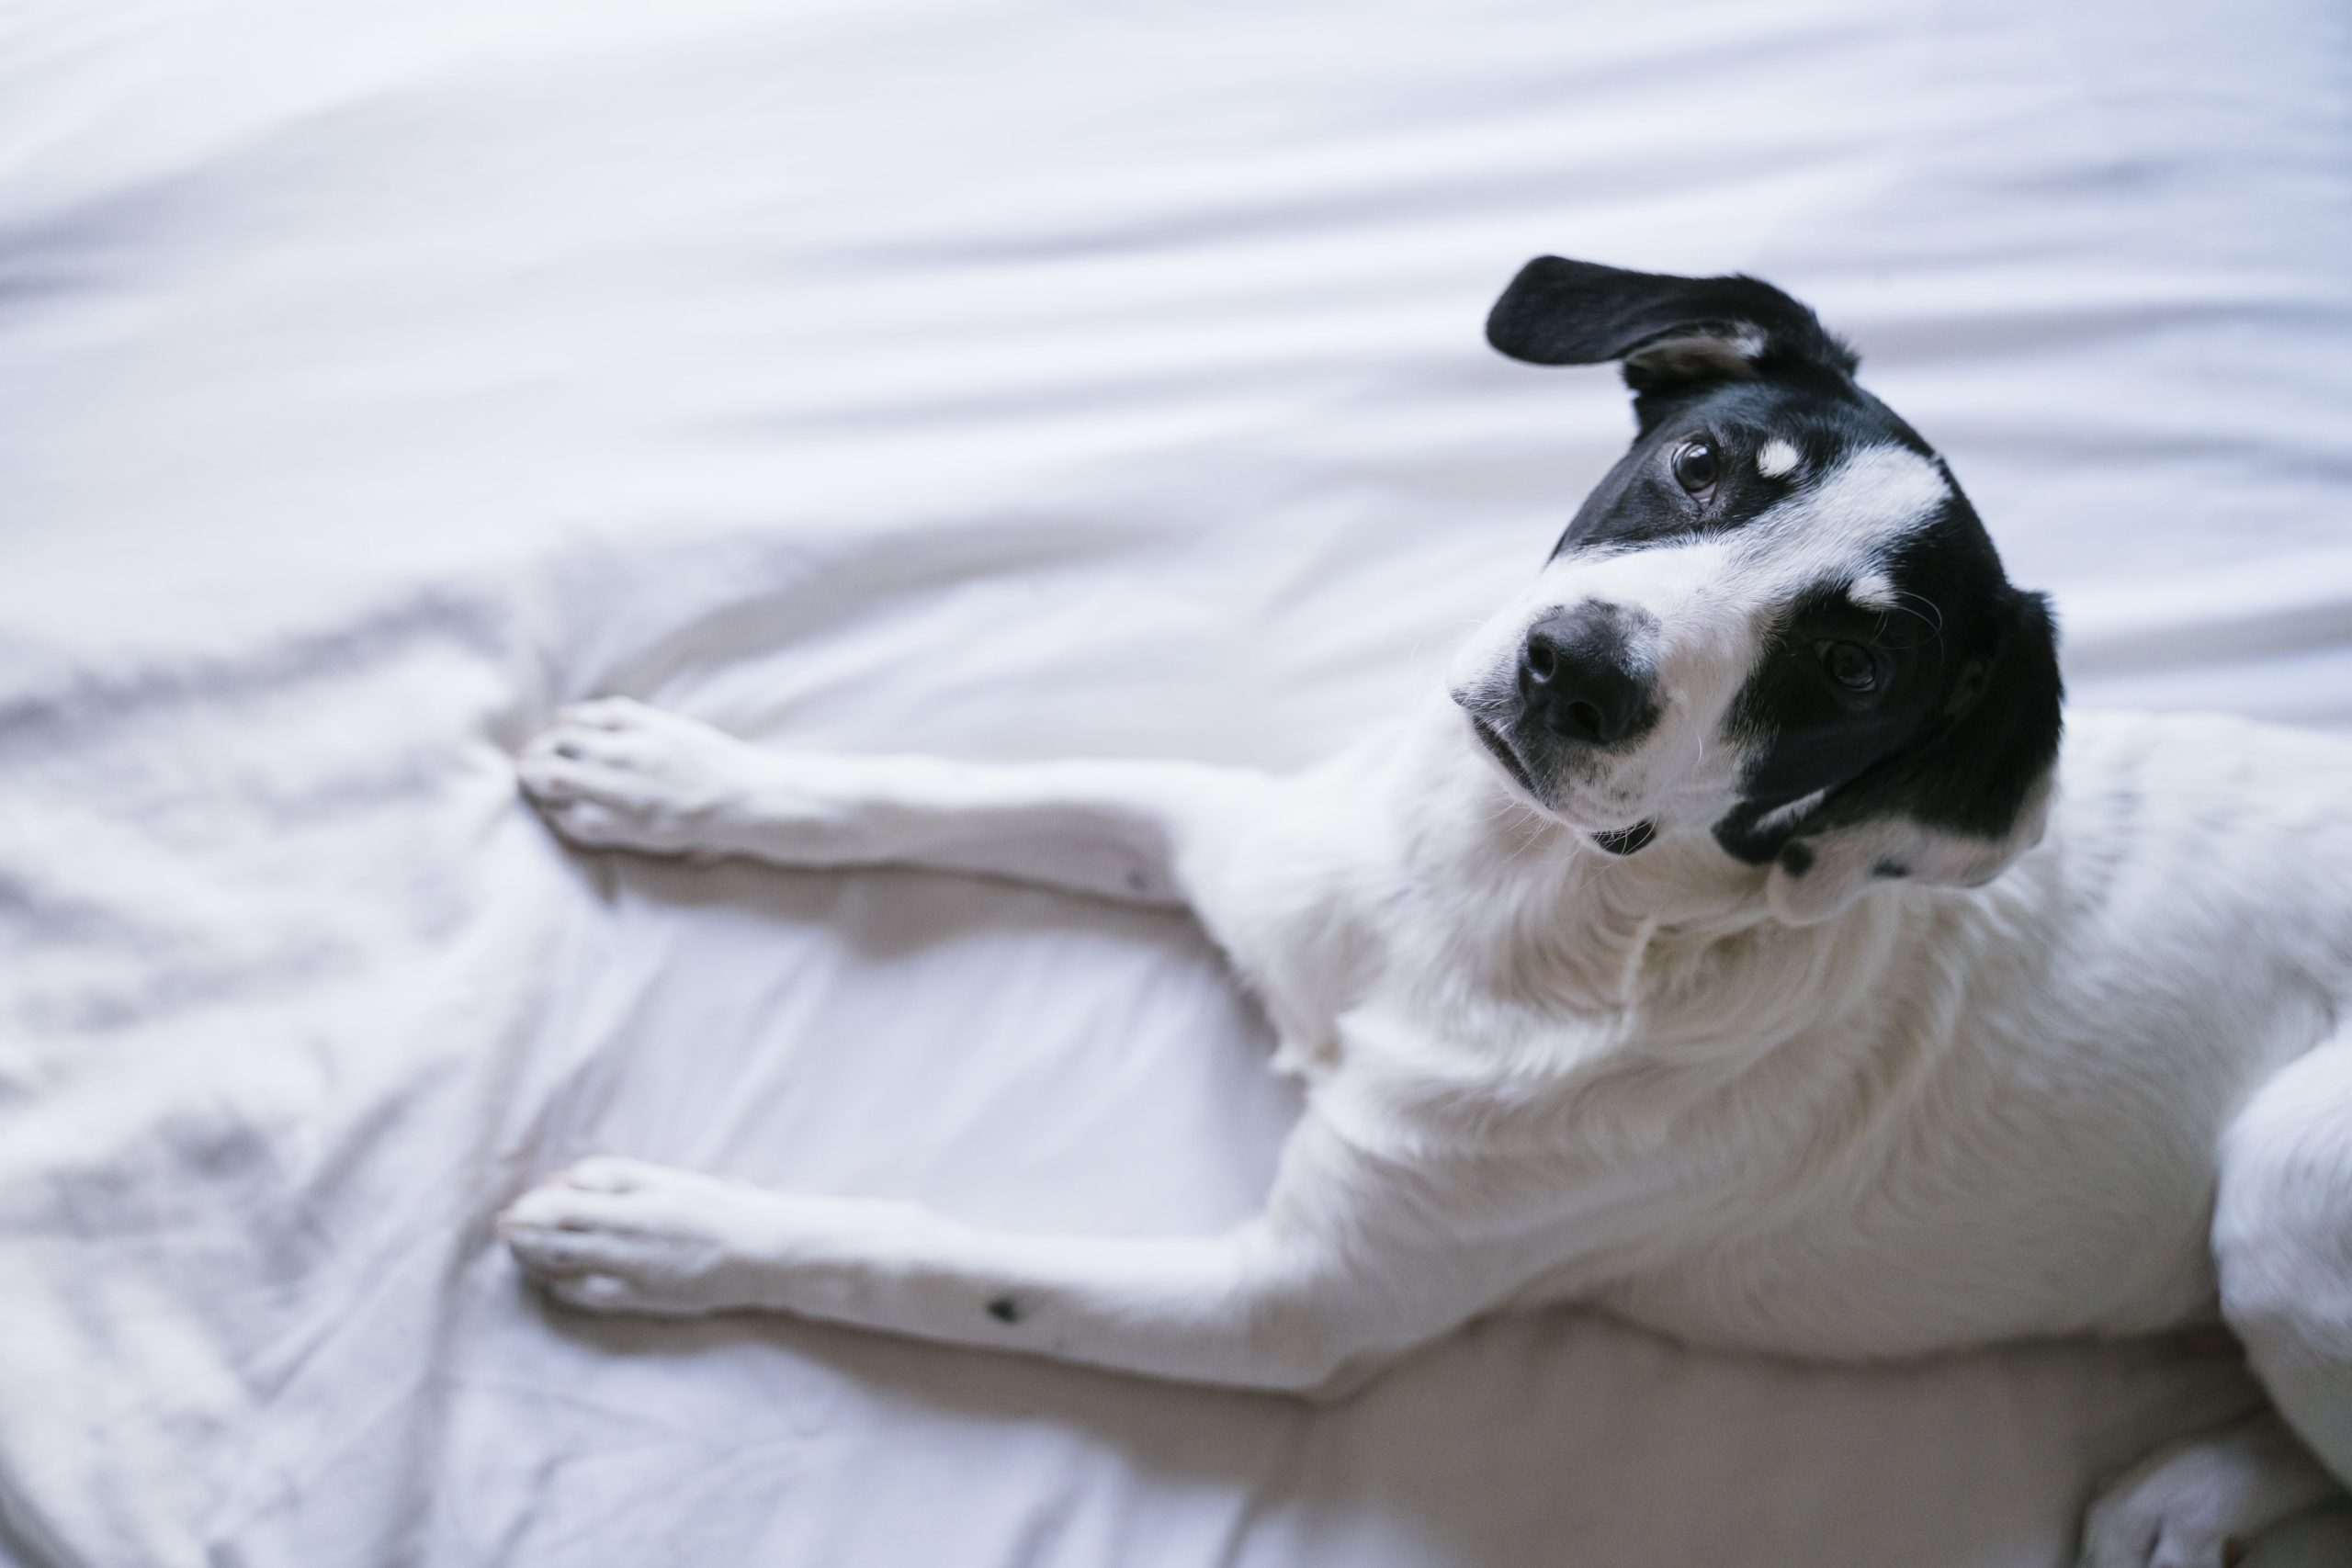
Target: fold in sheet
<point x="1006" y="380"/>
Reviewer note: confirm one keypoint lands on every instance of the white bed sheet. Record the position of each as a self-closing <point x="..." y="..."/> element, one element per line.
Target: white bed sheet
<point x="1004" y="380"/>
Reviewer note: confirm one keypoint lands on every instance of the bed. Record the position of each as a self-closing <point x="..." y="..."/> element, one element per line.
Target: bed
<point x="1004" y="380"/>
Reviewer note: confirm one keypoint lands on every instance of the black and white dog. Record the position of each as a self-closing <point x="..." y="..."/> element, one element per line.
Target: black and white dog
<point x="1727" y="948"/>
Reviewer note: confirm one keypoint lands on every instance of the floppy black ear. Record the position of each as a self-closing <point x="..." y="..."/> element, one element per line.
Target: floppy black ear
<point x="1957" y="808"/>
<point x="1669" y="331"/>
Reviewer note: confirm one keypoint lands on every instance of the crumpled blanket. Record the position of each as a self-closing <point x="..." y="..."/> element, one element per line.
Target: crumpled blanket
<point x="1002" y="380"/>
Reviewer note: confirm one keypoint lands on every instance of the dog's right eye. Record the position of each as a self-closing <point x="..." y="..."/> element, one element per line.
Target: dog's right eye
<point x="1697" y="466"/>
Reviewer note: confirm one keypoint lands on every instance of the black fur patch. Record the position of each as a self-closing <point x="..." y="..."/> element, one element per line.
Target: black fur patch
<point x="1959" y="751"/>
<point x="1004" y="1309"/>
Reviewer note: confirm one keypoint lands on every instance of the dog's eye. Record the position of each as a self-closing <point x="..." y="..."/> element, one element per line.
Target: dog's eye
<point x="1851" y="665"/>
<point x="1697" y="466"/>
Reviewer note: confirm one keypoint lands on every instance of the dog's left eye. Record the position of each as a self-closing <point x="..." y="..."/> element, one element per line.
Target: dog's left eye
<point x="1697" y="466"/>
<point x="1851" y="665"/>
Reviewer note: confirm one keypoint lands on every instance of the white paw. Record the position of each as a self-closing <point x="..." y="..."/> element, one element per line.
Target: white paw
<point x="622" y="1235"/>
<point x="614" y="774"/>
<point x="2175" y="1509"/>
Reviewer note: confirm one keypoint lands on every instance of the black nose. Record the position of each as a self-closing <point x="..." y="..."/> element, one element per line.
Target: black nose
<point x="1576" y="677"/>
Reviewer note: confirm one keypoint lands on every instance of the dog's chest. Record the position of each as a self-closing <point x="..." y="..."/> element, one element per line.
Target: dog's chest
<point x="1908" y="1215"/>
<point x="1923" y="1238"/>
<point x="1961" y="1156"/>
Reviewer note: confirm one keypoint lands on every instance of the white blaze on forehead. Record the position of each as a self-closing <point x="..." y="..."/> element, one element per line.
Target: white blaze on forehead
<point x="1843" y="526"/>
<point x="1776" y="458"/>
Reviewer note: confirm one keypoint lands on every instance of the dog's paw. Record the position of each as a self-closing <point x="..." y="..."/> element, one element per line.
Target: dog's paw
<point x="614" y="774"/>
<point x="2159" y="1546"/>
<point x="2199" y="1503"/>
<point x="623" y="1235"/>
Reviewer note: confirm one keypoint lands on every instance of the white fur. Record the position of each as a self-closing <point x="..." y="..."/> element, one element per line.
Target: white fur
<point x="1776" y="458"/>
<point x="1873" y="590"/>
<point x="1930" y="1118"/>
<point x="2196" y="1502"/>
<point x="1795" y="811"/>
<point x="1842" y="525"/>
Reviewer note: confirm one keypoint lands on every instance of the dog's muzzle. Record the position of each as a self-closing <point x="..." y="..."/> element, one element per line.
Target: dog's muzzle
<point x="1580" y="687"/>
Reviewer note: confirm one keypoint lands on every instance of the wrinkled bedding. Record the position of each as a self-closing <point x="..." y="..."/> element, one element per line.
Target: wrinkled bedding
<point x="1002" y="380"/>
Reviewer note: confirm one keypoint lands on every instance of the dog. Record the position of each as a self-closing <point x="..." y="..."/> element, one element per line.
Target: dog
<point x="1727" y="947"/>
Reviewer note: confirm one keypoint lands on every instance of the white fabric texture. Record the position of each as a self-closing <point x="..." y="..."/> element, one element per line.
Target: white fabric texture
<point x="1004" y="380"/>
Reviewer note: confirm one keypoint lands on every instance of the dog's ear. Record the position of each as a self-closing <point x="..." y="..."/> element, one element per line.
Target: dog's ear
<point x="1956" y="808"/>
<point x="1670" y="333"/>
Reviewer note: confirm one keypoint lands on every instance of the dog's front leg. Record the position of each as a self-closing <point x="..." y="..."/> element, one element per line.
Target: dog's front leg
<point x="1268" y="1305"/>
<point x="615" y="773"/>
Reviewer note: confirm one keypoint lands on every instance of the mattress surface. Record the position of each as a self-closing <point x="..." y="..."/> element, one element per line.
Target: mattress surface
<point x="1003" y="380"/>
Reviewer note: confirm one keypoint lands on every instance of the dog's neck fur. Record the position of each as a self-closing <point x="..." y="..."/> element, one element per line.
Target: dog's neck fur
<point x="1519" y="913"/>
<point x="1506" y="970"/>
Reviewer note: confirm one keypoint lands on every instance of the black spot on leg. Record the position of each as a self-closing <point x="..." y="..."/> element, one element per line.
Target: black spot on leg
<point x="1797" y="860"/>
<point x="1890" y="869"/>
<point x="1004" y="1309"/>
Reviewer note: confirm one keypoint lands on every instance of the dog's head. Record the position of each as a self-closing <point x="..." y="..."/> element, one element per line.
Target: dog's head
<point x="1776" y="619"/>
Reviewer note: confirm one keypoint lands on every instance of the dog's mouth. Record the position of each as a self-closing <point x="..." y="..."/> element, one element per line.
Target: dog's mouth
<point x="1617" y="841"/>
<point x="1491" y="737"/>
<point x="1625" y="840"/>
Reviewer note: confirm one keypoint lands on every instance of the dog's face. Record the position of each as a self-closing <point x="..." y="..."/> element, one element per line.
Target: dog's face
<point x="1777" y="618"/>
